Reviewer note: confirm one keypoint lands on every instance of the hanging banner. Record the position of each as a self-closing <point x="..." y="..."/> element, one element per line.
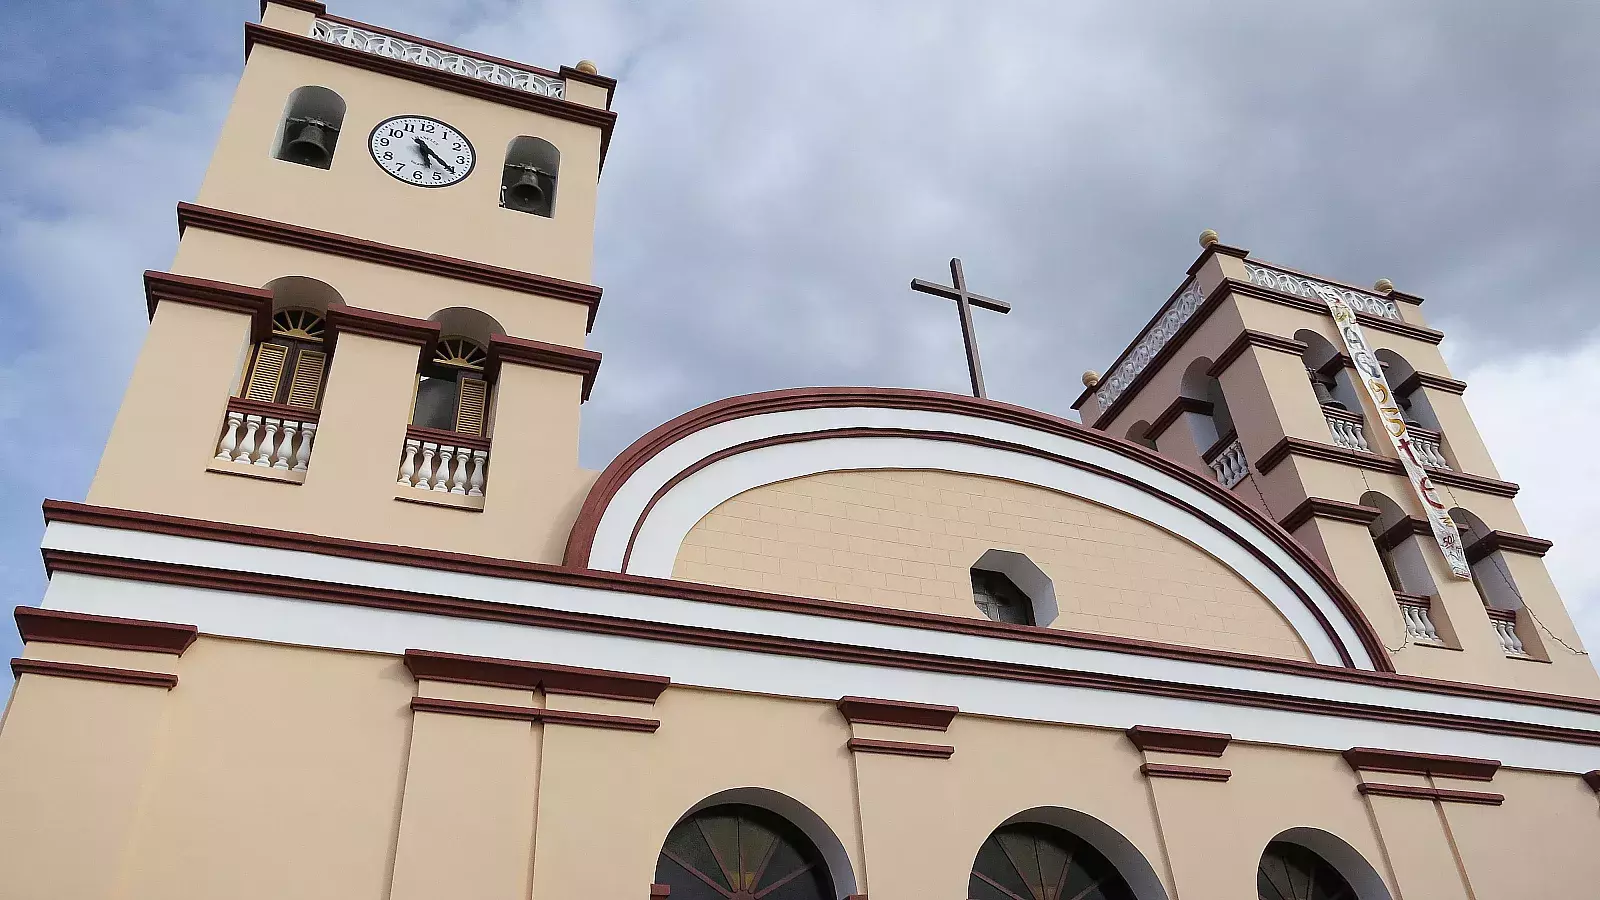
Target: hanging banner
<point x="1371" y="374"/>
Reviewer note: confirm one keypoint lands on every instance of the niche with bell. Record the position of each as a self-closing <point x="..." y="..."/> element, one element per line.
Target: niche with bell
<point x="310" y="128"/>
<point x="528" y="182"/>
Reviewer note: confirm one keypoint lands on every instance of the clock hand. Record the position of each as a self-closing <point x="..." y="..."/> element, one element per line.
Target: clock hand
<point x="429" y="151"/>
<point x="423" y="147"/>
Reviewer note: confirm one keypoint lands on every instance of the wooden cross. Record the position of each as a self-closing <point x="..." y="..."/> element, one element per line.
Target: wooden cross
<point x="965" y="300"/>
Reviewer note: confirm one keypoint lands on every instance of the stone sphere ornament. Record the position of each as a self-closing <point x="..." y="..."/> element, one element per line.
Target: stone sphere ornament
<point x="1383" y="285"/>
<point x="1209" y="237"/>
<point x="587" y="67"/>
<point x="1091" y="379"/>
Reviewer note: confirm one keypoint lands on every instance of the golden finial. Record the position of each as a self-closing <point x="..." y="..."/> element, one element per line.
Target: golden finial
<point x="1383" y="285"/>
<point x="1208" y="237"/>
<point x="587" y="67"/>
<point x="1091" y="379"/>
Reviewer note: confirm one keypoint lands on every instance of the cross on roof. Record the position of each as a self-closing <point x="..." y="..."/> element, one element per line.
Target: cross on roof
<point x="965" y="300"/>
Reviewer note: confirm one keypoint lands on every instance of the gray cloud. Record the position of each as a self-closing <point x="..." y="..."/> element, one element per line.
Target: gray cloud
<point x="780" y="171"/>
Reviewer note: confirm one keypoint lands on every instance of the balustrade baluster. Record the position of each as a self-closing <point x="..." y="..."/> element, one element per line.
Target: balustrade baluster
<point x="302" y="454"/>
<point x="264" y="451"/>
<point x="247" y="447"/>
<point x="285" y="449"/>
<point x="408" y="465"/>
<point x="475" y="483"/>
<point x="441" y="474"/>
<point x="425" y="472"/>
<point x="230" y="436"/>
<point x="458" y="477"/>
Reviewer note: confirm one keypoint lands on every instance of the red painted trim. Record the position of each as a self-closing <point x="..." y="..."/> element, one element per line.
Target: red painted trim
<point x="1508" y="541"/>
<point x="273" y="410"/>
<point x="1353" y="614"/>
<point x="530" y="676"/>
<point x="1406" y="791"/>
<point x="1190" y="773"/>
<point x="20" y="667"/>
<point x="1293" y="446"/>
<point x="521" y="351"/>
<point x="448" y="561"/>
<point x="1430" y="380"/>
<point x="427" y="604"/>
<point x="1173" y="412"/>
<point x="660" y="890"/>
<point x="53" y="626"/>
<point x="1323" y="508"/>
<point x="1592" y="779"/>
<point x="254" y="228"/>
<point x="867" y="711"/>
<point x="1251" y="338"/>
<point x="253" y="302"/>
<point x="532" y="714"/>
<point x="1370" y="759"/>
<point x="1174" y="740"/>
<point x="343" y="319"/>
<point x="603" y="119"/>
<point x="900" y="748"/>
<point x="441" y="436"/>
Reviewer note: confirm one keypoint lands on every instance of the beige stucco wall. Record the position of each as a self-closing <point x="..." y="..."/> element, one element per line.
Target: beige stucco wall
<point x="166" y="433"/>
<point x="354" y="197"/>
<point x="274" y="771"/>
<point x="908" y="539"/>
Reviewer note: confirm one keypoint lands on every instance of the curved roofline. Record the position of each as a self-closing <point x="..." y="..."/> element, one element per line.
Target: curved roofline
<point x="580" y="542"/>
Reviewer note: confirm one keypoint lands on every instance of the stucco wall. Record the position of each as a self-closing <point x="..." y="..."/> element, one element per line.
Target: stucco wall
<point x="908" y="539"/>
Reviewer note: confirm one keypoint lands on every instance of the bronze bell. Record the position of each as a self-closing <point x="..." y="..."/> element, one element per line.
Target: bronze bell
<point x="526" y="192"/>
<point x="1319" y="387"/>
<point x="310" y="145"/>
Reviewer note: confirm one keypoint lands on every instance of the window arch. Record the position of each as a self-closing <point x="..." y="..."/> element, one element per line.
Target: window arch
<point x="1036" y="861"/>
<point x="528" y="180"/>
<point x="1139" y="433"/>
<point x="741" y="850"/>
<point x="1414" y="406"/>
<point x="1327" y="373"/>
<point x="1394" y="536"/>
<point x="1491" y="575"/>
<point x="1312" y="864"/>
<point x="1215" y="423"/>
<point x="452" y="391"/>
<point x="290" y="366"/>
<point x="309" y="131"/>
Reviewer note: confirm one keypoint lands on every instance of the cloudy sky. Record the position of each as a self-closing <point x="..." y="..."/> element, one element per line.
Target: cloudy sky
<point x="779" y="172"/>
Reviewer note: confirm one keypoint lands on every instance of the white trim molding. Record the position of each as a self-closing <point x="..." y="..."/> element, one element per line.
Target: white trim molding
<point x="647" y="519"/>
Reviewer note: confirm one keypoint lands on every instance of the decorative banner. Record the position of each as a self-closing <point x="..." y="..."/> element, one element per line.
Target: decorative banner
<point x="1371" y="372"/>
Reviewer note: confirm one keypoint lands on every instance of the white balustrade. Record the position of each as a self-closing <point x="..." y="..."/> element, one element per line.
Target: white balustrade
<point x="1419" y="622"/>
<point x="381" y="44"/>
<point x="1310" y="288"/>
<point x="1348" y="431"/>
<point x="1230" y="465"/>
<point x="1426" y="445"/>
<point x="277" y="443"/>
<point x="430" y="465"/>
<point x="1505" y="628"/>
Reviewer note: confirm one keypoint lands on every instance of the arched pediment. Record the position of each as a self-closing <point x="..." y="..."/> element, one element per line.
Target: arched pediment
<point x="646" y="504"/>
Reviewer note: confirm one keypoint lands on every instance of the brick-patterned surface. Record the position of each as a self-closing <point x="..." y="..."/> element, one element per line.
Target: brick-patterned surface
<point x="907" y="539"/>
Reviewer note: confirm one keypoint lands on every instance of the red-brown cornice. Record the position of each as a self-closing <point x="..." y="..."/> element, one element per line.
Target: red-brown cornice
<point x="487" y="671"/>
<point x="57" y="627"/>
<point x="1176" y="740"/>
<point x="868" y="711"/>
<point x="240" y="225"/>
<point x="1508" y="541"/>
<point x="537" y="715"/>
<point x="253" y="302"/>
<point x="384" y="326"/>
<point x="602" y="119"/>
<point x="1174" y="410"/>
<point x="900" y="748"/>
<point x="1188" y="773"/>
<point x="1371" y="759"/>
<point x="1429" y="380"/>
<point x="1293" y="446"/>
<point x="1411" y="792"/>
<point x="1249" y="338"/>
<point x="1323" y="508"/>
<point x="524" y="352"/>
<point x="81" y="672"/>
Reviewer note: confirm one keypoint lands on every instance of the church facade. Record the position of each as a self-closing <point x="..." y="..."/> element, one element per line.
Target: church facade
<point x="342" y="616"/>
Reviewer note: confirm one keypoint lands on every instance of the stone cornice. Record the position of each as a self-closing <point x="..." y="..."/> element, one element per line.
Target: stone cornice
<point x="900" y="748"/>
<point x="344" y="320"/>
<point x="253" y="302"/>
<point x="1174" y="740"/>
<point x="1371" y="759"/>
<point x="57" y="627"/>
<point x="222" y="221"/>
<point x="1429" y="380"/>
<point x="1293" y="446"/>
<point x="1249" y="338"/>
<point x="1187" y="773"/>
<point x="1323" y="508"/>
<point x="429" y="665"/>
<point x="536" y="715"/>
<point x="868" y="711"/>
<point x="1174" y="410"/>
<point x="81" y="672"/>
<point x="1510" y="542"/>
<point x="521" y="351"/>
<point x="1442" y="795"/>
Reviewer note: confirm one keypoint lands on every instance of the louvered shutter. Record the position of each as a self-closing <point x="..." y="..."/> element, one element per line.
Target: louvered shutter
<point x="305" y="386"/>
<point x="266" y="373"/>
<point x="470" y="409"/>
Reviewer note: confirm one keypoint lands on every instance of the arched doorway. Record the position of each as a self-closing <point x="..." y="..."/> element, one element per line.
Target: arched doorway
<point x="734" y="851"/>
<point x="1032" y="861"/>
<point x="1292" y="872"/>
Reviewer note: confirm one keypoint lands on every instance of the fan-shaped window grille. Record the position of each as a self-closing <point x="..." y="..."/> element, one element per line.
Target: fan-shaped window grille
<point x="298" y="323"/>
<point x="1040" y="862"/>
<point x="999" y="599"/>
<point x="1292" y="872"/>
<point x="460" y="353"/>
<point x="737" y="852"/>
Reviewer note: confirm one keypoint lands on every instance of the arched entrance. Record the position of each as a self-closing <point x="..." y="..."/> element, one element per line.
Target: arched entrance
<point x="734" y="851"/>
<point x="1033" y="861"/>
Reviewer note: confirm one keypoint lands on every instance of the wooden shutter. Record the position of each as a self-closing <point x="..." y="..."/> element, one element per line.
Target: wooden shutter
<point x="305" y="386"/>
<point x="266" y="373"/>
<point x="470" y="409"/>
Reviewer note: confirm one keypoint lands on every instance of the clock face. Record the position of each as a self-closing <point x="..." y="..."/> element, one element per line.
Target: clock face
<point x="421" y="151"/>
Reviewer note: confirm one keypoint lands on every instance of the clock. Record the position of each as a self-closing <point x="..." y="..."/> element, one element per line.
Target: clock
<point x="422" y="151"/>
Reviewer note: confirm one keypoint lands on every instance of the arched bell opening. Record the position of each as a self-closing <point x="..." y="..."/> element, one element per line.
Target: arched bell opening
<point x="1327" y="373"/>
<point x="751" y="842"/>
<point x="289" y="367"/>
<point x="1311" y="864"/>
<point x="528" y="181"/>
<point x="453" y="383"/>
<point x="1491" y="575"/>
<point x="309" y="132"/>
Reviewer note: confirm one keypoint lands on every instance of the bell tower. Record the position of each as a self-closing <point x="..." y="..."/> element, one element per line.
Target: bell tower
<point x="1329" y="407"/>
<point x="374" y="324"/>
